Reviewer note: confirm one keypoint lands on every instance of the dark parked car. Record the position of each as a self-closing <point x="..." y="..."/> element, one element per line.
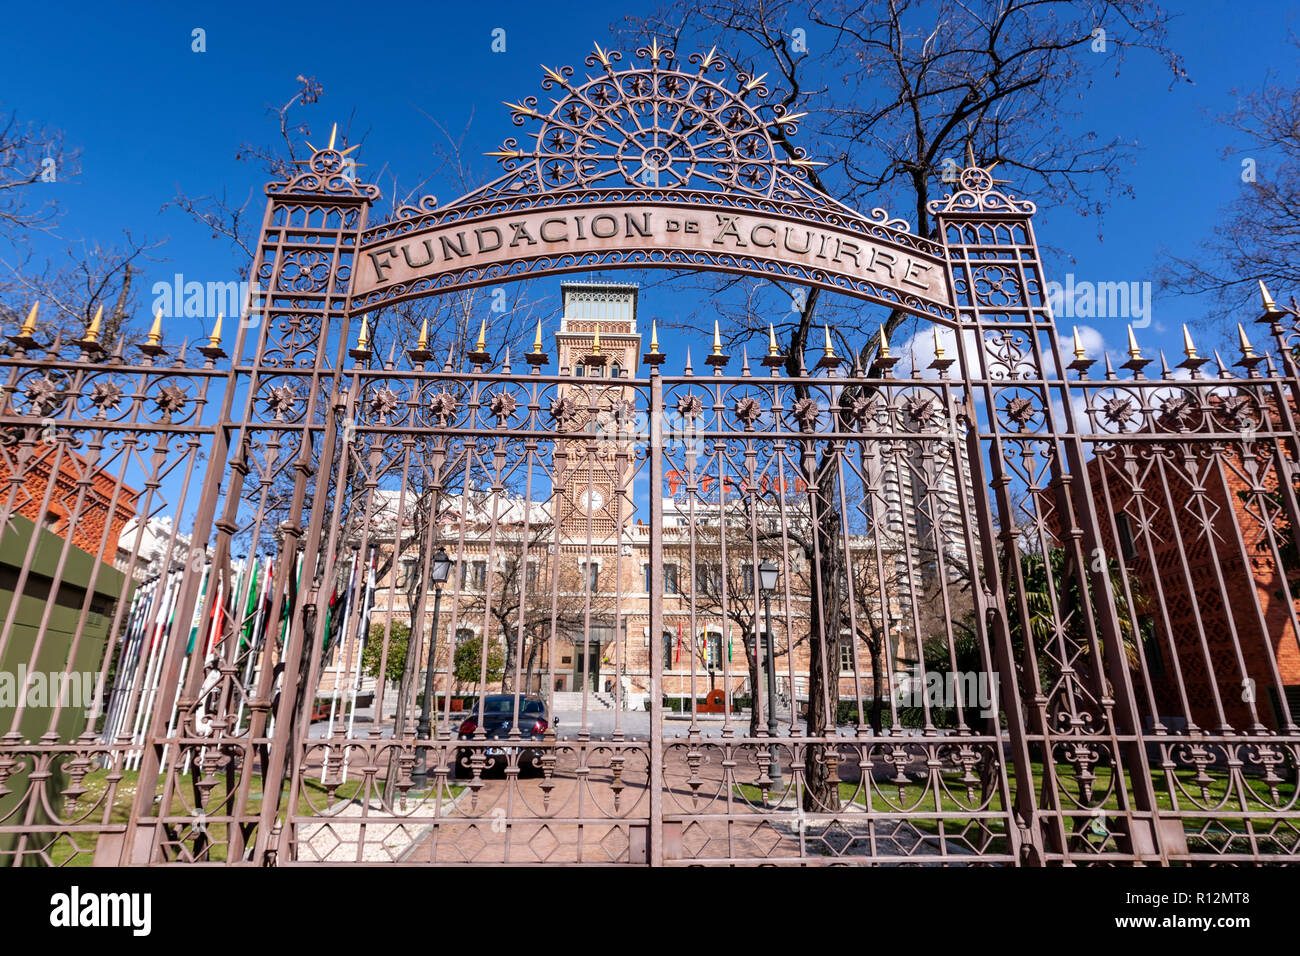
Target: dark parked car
<point x="497" y="712"/>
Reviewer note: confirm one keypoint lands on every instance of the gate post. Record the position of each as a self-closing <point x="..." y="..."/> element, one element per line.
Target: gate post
<point x="1025" y="422"/>
<point x="656" y="466"/>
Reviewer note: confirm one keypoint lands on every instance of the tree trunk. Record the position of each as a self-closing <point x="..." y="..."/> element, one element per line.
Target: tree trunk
<point x="821" y="772"/>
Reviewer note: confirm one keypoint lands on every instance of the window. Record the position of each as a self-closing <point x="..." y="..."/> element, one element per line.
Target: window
<point x="591" y="574"/>
<point x="1127" y="547"/>
<point x="846" y="653"/>
<point x="1151" y="645"/>
<point x="747" y="578"/>
<point x="713" y="648"/>
<point x="646" y="569"/>
<point x="473" y="575"/>
<point x="463" y="634"/>
<point x="615" y="370"/>
<point x="670" y="644"/>
<point x="580" y="370"/>
<point x="406" y="572"/>
<point x="531" y="574"/>
<point x="670" y="579"/>
<point x="708" y="579"/>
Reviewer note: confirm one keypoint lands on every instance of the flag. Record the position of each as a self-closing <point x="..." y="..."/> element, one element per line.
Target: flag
<point x="250" y="606"/>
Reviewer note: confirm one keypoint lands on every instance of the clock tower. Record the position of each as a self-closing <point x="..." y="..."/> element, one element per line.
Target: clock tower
<point x="598" y="341"/>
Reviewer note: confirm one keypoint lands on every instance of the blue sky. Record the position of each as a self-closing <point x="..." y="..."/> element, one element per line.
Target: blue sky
<point x="151" y="116"/>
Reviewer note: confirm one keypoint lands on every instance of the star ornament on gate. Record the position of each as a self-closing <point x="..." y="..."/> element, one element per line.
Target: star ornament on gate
<point x="979" y="179"/>
<point x="658" y="125"/>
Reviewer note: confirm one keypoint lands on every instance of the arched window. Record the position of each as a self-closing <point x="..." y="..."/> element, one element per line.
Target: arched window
<point x="615" y="370"/>
<point x="670" y="644"/>
<point x="580" y="370"/>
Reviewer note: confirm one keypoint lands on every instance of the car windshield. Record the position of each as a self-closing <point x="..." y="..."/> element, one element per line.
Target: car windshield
<point x="506" y="705"/>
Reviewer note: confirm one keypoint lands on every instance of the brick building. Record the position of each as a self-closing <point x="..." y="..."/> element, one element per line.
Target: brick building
<point x="1215" y="613"/>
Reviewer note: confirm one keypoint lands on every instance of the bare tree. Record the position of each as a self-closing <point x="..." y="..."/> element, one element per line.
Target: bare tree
<point x="901" y="87"/>
<point x="1258" y="234"/>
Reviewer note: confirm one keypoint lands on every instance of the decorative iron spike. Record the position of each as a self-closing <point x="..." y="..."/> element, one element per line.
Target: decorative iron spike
<point x="689" y="370"/>
<point x="744" y="360"/>
<point x="1247" y="350"/>
<point x="654" y="357"/>
<point x="421" y="353"/>
<point x="1248" y="358"/>
<point x="1136" y="363"/>
<point x="1164" y="365"/>
<point x="1079" y="351"/>
<point x="773" y="359"/>
<point x="153" y="341"/>
<point x="362" y="350"/>
<point x="595" y="341"/>
<point x="92" y="330"/>
<point x="537" y="357"/>
<point x="89" y="342"/>
<point x="1223" y="366"/>
<point x="716" y="358"/>
<point x="1271" y="311"/>
<point x="213" y="349"/>
<point x="941" y="362"/>
<point x="505" y="366"/>
<point x="29" y="325"/>
<point x="480" y="354"/>
<point x="1192" y="361"/>
<point x="25" y="337"/>
<point x="829" y="359"/>
<point x="884" y="360"/>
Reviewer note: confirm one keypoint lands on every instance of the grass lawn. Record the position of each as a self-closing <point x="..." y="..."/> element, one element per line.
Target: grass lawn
<point x="916" y="798"/>
<point x="77" y="848"/>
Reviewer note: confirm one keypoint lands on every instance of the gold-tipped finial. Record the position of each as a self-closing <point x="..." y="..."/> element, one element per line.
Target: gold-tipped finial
<point x="1079" y="351"/>
<point x="155" y="334"/>
<point x="214" y="340"/>
<point x="29" y="326"/>
<point x="1134" y="352"/>
<point x="771" y="341"/>
<point x="334" y="132"/>
<point x="938" y="344"/>
<point x="481" y="344"/>
<point x="717" y="339"/>
<point x="1247" y="350"/>
<point x="1270" y="307"/>
<point x="92" y="330"/>
<point x="1189" y="348"/>
<point x="884" y="343"/>
<point x="595" y="341"/>
<point x="829" y="347"/>
<point x="363" y="336"/>
<point x="654" y="336"/>
<point x="537" y="339"/>
<point x="422" y="343"/>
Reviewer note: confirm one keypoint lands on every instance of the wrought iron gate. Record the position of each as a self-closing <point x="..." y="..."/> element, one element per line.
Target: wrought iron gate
<point x="997" y="609"/>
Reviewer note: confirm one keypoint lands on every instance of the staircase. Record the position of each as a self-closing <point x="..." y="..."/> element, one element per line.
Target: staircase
<point x="571" y="701"/>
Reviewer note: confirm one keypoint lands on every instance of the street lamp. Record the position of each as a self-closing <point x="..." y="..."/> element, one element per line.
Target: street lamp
<point x="768" y="575"/>
<point x="441" y="568"/>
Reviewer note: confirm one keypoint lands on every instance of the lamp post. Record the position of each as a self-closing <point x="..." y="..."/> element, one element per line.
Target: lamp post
<point x="441" y="568"/>
<point x="768" y="574"/>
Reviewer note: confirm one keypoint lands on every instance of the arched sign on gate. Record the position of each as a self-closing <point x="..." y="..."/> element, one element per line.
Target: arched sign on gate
<point x="649" y="166"/>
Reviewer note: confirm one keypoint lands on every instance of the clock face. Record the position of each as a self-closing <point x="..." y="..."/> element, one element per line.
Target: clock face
<point x="592" y="500"/>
